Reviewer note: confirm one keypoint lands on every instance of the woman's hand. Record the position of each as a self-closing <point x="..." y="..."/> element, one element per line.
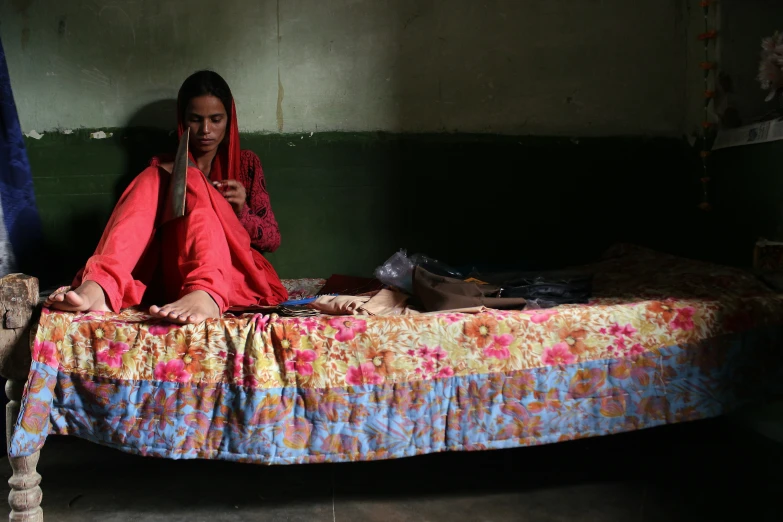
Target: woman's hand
<point x="234" y="193"/>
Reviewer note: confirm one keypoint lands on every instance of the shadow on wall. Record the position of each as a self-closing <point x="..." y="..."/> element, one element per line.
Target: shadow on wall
<point x="147" y="137"/>
<point x="79" y="180"/>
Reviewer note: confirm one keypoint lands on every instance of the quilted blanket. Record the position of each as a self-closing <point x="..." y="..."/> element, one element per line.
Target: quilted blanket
<point x="664" y="340"/>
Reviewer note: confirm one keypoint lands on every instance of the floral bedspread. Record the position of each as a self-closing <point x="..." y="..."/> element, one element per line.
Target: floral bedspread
<point x="664" y="340"/>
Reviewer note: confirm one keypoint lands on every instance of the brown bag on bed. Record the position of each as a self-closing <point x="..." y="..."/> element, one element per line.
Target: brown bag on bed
<point x="438" y="293"/>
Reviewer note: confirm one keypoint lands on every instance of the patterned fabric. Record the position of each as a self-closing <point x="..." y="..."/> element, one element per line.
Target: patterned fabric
<point x="696" y="340"/>
<point x="302" y="288"/>
<point x="257" y="216"/>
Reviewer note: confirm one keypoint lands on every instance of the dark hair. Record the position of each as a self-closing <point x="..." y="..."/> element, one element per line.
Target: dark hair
<point x="204" y="83"/>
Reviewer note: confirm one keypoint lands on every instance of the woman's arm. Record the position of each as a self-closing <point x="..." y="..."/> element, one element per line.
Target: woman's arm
<point x="257" y="216"/>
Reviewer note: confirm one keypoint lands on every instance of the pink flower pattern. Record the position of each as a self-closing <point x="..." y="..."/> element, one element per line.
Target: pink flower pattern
<point x="684" y="319"/>
<point x="173" y="371"/>
<point x="424" y="352"/>
<point x="302" y="362"/>
<point x="347" y="327"/>
<point x="499" y="346"/>
<point x="558" y="354"/>
<point x="307" y="324"/>
<point x="438" y="353"/>
<point x="445" y="372"/>
<point x="629" y="330"/>
<point x="541" y="316"/>
<point x="431" y="361"/>
<point x="161" y="329"/>
<point x="241" y="361"/>
<point x="363" y="374"/>
<point x="637" y="349"/>
<point x="112" y="355"/>
<point x="261" y="321"/>
<point x="452" y="318"/>
<point x="618" y="331"/>
<point x="45" y="352"/>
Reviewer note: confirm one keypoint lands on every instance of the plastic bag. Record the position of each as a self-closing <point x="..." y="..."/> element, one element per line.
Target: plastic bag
<point x="397" y="271"/>
<point x="434" y="266"/>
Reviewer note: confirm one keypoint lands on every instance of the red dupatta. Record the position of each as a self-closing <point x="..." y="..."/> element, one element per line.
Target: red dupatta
<point x="226" y="162"/>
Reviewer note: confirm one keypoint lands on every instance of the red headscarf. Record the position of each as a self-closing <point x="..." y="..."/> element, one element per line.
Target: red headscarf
<point x="226" y="162"/>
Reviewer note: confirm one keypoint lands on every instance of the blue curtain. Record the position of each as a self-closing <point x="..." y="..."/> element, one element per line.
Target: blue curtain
<point x="19" y="211"/>
<point x="20" y="230"/>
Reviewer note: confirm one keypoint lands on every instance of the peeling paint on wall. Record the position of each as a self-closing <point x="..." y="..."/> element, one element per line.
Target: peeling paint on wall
<point x="280" y="95"/>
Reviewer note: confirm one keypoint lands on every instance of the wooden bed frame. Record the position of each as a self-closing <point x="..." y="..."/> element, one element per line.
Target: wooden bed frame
<point x="20" y="308"/>
<point x="19" y="295"/>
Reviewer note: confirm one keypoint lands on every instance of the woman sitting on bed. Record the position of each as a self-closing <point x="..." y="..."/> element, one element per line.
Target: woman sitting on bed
<point x="210" y="259"/>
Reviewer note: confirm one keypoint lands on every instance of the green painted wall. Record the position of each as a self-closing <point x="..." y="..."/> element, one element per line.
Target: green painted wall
<point x="345" y="202"/>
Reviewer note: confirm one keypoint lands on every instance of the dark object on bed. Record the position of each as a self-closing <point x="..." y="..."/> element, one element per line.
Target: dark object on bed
<point x="436" y="293"/>
<point x="547" y="291"/>
<point x="510" y="291"/>
<point x="339" y="284"/>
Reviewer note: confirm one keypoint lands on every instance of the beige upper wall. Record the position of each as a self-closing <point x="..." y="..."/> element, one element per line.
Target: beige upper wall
<point x="544" y="67"/>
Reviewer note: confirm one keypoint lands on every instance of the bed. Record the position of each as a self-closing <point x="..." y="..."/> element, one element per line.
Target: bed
<point x="664" y="340"/>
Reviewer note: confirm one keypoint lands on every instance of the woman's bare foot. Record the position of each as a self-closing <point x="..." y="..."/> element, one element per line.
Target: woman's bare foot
<point x="196" y="307"/>
<point x="89" y="296"/>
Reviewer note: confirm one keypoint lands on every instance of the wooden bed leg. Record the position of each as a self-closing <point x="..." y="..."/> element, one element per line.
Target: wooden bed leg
<point x="19" y="310"/>
<point x="25" y="496"/>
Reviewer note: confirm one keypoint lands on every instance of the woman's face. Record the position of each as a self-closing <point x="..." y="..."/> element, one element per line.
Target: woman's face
<point x="207" y="119"/>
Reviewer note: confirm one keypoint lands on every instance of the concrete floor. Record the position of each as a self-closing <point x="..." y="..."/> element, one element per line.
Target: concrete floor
<point x="709" y="470"/>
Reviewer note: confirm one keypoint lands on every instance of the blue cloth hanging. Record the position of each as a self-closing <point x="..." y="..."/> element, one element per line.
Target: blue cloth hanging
<point x="19" y="211"/>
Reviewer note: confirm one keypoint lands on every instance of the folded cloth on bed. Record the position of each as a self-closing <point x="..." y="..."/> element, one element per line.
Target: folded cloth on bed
<point x="438" y="293"/>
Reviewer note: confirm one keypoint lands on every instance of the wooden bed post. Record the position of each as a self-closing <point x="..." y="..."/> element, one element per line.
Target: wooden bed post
<point x="19" y="308"/>
<point x="26" y="495"/>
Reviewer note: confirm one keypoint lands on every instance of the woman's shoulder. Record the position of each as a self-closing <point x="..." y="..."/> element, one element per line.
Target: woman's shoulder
<point x="250" y="163"/>
<point x="248" y="156"/>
